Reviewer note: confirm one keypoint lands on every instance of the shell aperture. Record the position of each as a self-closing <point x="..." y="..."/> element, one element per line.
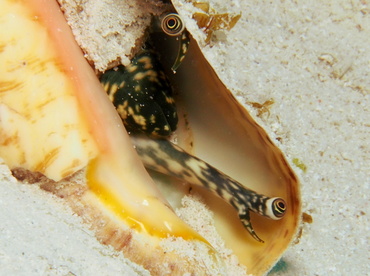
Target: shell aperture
<point x="144" y="78"/>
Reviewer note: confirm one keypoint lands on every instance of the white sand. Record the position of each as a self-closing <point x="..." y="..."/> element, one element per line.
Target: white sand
<point x="314" y="62"/>
<point x="322" y="120"/>
<point x="321" y="113"/>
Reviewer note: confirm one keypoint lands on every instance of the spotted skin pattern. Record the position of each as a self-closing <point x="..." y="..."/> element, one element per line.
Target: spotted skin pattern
<point x="142" y="96"/>
<point x="167" y="158"/>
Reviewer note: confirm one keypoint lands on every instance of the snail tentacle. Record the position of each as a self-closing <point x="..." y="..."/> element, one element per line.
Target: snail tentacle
<point x="184" y="45"/>
<point x="246" y="220"/>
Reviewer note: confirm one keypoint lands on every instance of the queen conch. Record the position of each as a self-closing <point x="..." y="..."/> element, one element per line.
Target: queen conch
<point x="58" y="120"/>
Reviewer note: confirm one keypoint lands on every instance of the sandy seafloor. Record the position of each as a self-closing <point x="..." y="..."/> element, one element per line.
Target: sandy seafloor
<point x="313" y="59"/>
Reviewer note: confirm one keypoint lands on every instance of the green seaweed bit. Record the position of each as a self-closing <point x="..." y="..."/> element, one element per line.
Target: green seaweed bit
<point x="142" y="95"/>
<point x="300" y="164"/>
<point x="280" y="266"/>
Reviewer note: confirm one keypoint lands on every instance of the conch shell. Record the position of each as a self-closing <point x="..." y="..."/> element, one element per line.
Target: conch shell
<point x="56" y="119"/>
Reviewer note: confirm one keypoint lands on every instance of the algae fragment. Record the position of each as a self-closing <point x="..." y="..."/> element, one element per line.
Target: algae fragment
<point x="300" y="164"/>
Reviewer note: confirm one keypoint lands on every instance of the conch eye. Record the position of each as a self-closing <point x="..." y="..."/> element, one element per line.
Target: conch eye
<point x="279" y="207"/>
<point x="172" y="24"/>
